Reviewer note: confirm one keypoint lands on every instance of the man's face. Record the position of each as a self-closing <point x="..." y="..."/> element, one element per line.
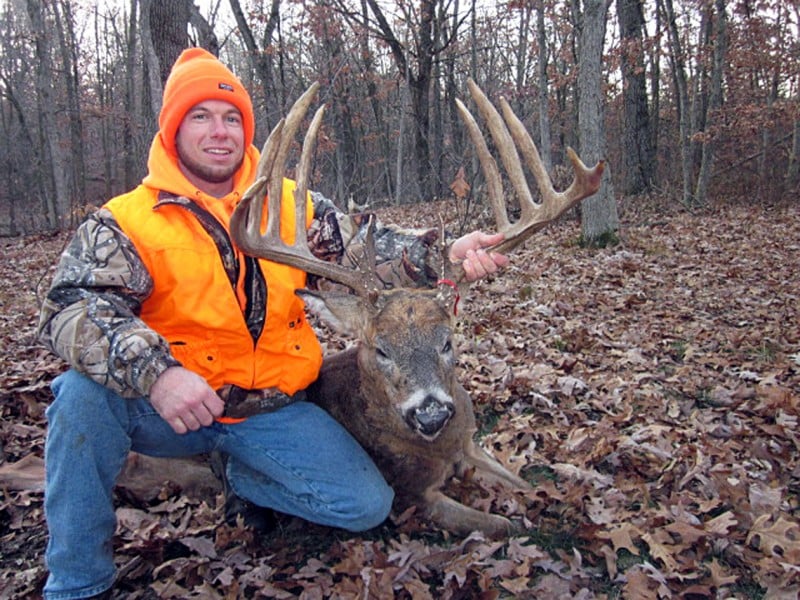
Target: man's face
<point x="210" y="145"/>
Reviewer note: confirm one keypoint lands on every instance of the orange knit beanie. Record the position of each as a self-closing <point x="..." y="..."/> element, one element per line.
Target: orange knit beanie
<point x="197" y="76"/>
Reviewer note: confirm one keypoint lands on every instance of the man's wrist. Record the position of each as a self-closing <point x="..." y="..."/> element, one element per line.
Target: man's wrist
<point x="146" y="374"/>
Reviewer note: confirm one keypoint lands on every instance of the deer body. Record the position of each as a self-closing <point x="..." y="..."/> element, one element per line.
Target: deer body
<point x="397" y="393"/>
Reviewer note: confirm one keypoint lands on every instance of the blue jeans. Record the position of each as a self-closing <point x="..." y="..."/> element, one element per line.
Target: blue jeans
<point x="296" y="460"/>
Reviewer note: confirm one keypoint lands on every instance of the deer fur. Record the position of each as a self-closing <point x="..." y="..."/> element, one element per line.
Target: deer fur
<point x="397" y="393"/>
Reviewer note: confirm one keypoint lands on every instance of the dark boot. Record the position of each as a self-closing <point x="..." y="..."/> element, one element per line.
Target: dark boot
<point x="260" y="519"/>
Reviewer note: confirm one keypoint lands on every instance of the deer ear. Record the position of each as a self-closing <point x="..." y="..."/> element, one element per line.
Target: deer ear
<point x="343" y="311"/>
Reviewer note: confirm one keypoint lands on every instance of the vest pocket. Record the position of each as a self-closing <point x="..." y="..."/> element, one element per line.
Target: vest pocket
<point x="199" y="356"/>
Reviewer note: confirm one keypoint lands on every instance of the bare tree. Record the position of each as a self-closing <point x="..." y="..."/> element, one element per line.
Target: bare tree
<point x="638" y="169"/>
<point x="165" y="34"/>
<point x="415" y="66"/>
<point x="599" y="213"/>
<point x="152" y="64"/>
<point x="23" y="168"/>
<point x="169" y="31"/>
<point x="55" y="169"/>
<point x="678" y="62"/>
<point x="544" y="88"/>
<point x="793" y="170"/>
<point x="262" y="58"/>
<point x="368" y="67"/>
<point x="715" y="102"/>
<point x="133" y="96"/>
<point x="68" y="49"/>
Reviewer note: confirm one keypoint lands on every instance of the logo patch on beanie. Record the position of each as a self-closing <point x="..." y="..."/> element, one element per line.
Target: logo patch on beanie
<point x="226" y="86"/>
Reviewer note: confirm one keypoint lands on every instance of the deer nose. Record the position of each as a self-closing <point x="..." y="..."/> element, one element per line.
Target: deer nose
<point x="430" y="417"/>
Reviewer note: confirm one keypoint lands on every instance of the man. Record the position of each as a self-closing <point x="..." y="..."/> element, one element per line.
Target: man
<point x="171" y="332"/>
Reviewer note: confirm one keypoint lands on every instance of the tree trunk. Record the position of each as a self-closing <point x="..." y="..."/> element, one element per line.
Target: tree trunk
<point x="545" y="151"/>
<point x="451" y="92"/>
<point x="377" y="108"/>
<point x="421" y="100"/>
<point x="152" y="63"/>
<point x="67" y="46"/>
<point x="134" y="98"/>
<point x="419" y="84"/>
<point x="399" y="176"/>
<point x="714" y="101"/>
<point x="769" y="185"/>
<point x="793" y="170"/>
<point x="701" y="88"/>
<point x="655" y="93"/>
<point x="206" y="38"/>
<point x="638" y="157"/>
<point x="13" y="165"/>
<point x="261" y="58"/>
<point x="349" y="161"/>
<point x="521" y="53"/>
<point x="677" y="59"/>
<point x="56" y="177"/>
<point x="599" y="212"/>
<point x="169" y="23"/>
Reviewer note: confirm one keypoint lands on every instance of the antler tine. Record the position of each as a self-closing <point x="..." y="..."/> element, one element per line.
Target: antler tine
<point x="494" y="184"/>
<point x="505" y="148"/>
<point x="246" y="220"/>
<point x="304" y="173"/>
<point x="585" y="181"/>
<point x="278" y="165"/>
<point x="510" y="136"/>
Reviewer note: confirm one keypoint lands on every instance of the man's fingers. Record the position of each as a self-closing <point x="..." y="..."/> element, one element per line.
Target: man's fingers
<point x="204" y="416"/>
<point x="215" y="405"/>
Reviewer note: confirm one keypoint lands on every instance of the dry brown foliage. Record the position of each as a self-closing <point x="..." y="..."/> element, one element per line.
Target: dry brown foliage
<point x="651" y="391"/>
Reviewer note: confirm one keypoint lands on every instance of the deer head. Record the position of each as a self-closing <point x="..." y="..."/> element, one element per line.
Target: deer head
<point x="406" y="356"/>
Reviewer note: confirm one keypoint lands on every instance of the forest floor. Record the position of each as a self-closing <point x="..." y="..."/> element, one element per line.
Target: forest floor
<point x="650" y="391"/>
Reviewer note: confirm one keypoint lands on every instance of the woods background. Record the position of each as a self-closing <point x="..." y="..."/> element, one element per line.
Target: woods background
<point x="648" y="390"/>
<point x="696" y="101"/>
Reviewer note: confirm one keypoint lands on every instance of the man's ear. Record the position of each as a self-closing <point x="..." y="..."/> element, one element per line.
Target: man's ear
<point x="344" y="312"/>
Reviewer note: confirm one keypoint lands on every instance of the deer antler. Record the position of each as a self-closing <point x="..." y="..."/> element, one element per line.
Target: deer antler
<point x="509" y="134"/>
<point x="246" y="220"/>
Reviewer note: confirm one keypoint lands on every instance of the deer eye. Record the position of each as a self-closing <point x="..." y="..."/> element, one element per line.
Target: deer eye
<point x="381" y="354"/>
<point x="448" y="347"/>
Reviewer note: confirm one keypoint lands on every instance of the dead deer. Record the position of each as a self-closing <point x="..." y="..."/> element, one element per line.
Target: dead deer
<point x="397" y="391"/>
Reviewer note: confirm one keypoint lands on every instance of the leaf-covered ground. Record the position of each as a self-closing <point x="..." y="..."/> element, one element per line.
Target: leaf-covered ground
<point x="651" y="391"/>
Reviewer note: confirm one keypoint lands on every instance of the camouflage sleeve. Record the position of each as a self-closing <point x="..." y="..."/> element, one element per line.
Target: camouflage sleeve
<point x="90" y="314"/>
<point x="404" y="257"/>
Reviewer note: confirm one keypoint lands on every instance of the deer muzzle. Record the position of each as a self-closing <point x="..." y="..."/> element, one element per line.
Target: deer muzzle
<point x="429" y="417"/>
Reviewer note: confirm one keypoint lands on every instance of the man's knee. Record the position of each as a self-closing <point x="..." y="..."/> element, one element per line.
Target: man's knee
<point x="369" y="509"/>
<point x="82" y="403"/>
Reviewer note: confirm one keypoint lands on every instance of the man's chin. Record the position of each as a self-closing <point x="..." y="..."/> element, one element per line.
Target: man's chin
<point x="216" y="174"/>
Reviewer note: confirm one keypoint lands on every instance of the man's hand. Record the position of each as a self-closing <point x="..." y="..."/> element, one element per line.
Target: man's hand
<point x="470" y="251"/>
<point x="185" y="400"/>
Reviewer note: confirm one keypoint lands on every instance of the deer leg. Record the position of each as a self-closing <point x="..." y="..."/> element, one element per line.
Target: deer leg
<point x="488" y="469"/>
<point x="462" y="520"/>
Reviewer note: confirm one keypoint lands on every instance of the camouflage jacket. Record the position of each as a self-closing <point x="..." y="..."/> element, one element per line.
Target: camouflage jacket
<point x="90" y="316"/>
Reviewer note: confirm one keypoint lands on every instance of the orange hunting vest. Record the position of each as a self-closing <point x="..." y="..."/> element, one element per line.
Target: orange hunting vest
<point x="198" y="309"/>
